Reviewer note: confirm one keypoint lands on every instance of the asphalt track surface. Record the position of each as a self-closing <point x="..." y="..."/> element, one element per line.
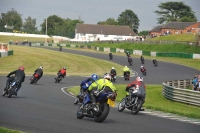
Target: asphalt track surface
<point x="45" y="108"/>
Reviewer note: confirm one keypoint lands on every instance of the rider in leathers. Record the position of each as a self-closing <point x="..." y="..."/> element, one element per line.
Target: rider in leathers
<point x="38" y="71"/>
<point x="19" y="75"/>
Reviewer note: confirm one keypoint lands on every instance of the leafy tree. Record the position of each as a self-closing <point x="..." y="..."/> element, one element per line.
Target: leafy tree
<point x="11" y="18"/>
<point x="109" y="21"/>
<point x="29" y="25"/>
<point x="143" y="33"/>
<point x="175" y="11"/>
<point x="130" y="19"/>
<point x="54" y="23"/>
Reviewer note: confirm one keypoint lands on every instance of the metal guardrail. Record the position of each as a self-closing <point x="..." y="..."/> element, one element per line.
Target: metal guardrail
<point x="173" y="92"/>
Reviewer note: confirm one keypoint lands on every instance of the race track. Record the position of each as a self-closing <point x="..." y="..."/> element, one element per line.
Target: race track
<point x="45" y="108"/>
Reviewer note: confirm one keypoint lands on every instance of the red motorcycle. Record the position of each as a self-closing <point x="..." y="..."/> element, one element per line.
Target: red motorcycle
<point x="34" y="78"/>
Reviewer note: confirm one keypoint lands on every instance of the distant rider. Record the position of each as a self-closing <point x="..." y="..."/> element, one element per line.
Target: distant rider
<point x="38" y="71"/>
<point x="127" y="53"/>
<point x="110" y="55"/>
<point x="154" y="61"/>
<point x="142" y="69"/>
<point x="62" y="72"/>
<point x="142" y="58"/>
<point x="101" y="86"/>
<point x="19" y="75"/>
<point x="126" y="70"/>
<point x="129" y="59"/>
<point x="113" y="71"/>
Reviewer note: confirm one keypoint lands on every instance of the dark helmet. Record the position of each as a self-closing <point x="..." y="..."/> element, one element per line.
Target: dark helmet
<point x="21" y="68"/>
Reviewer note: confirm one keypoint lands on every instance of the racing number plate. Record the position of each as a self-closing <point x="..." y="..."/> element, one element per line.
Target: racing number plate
<point x="111" y="103"/>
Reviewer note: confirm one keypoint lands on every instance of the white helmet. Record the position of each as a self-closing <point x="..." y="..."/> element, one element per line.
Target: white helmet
<point x="139" y="78"/>
<point x="154" y="58"/>
<point x="141" y="66"/>
<point x="113" y="68"/>
<point x="41" y="67"/>
<point x="107" y="76"/>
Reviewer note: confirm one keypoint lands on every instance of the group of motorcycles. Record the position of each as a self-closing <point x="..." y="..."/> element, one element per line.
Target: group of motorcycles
<point x="100" y="109"/>
<point x="14" y="84"/>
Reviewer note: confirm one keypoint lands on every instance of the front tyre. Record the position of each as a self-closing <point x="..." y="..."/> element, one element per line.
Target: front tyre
<point x="137" y="107"/>
<point x="121" y="105"/>
<point x="79" y="113"/>
<point x="104" y="111"/>
<point x="11" y="91"/>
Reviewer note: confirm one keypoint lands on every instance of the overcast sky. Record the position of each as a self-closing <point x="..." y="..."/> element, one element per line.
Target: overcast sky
<point x="91" y="11"/>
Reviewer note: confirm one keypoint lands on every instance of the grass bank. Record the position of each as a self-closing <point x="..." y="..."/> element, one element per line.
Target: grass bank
<point x="156" y="101"/>
<point x="52" y="61"/>
<point x="6" y="130"/>
<point x="182" y="48"/>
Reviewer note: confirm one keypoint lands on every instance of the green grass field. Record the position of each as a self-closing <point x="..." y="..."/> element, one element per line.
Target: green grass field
<point x="52" y="61"/>
<point x="176" y="37"/>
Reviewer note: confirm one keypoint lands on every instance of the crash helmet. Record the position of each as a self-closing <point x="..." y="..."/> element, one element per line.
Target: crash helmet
<point x="107" y="76"/>
<point x="21" y="68"/>
<point x="113" y="68"/>
<point x="64" y="68"/>
<point x="139" y="78"/>
<point x="40" y="67"/>
<point x="94" y="76"/>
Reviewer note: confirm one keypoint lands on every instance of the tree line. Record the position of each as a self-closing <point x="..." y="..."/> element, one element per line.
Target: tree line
<point x="168" y="11"/>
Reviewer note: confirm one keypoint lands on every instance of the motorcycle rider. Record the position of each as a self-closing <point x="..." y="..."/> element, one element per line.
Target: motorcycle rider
<point x="127" y="53"/>
<point x="142" y="69"/>
<point x="38" y="71"/>
<point x="113" y="71"/>
<point x="126" y="70"/>
<point x="19" y="75"/>
<point x="86" y="83"/>
<point x="154" y="61"/>
<point x="137" y="84"/>
<point x="62" y="72"/>
<point x="110" y="55"/>
<point x="101" y="86"/>
<point x="142" y="58"/>
<point x="129" y="59"/>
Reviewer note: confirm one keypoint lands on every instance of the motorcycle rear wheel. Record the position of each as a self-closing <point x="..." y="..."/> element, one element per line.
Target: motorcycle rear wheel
<point x="104" y="109"/>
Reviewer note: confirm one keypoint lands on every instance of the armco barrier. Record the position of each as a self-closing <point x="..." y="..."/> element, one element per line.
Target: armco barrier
<point x="181" y="95"/>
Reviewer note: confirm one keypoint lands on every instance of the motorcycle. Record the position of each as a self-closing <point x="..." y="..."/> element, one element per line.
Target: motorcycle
<point x="144" y="72"/>
<point x="130" y="63"/>
<point x="142" y="61"/>
<point x="100" y="110"/>
<point x="111" y="56"/>
<point x="58" y="78"/>
<point x="12" y="88"/>
<point x="34" y="78"/>
<point x="134" y="101"/>
<point x="113" y="77"/>
<point x="155" y="63"/>
<point x="127" y="76"/>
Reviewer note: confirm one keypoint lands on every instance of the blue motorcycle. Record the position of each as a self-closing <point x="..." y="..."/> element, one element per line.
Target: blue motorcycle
<point x="100" y="110"/>
<point x="12" y="88"/>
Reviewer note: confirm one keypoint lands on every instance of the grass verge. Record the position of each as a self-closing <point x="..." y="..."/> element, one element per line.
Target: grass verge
<point x="52" y="61"/>
<point x="156" y="101"/>
<point x="6" y="130"/>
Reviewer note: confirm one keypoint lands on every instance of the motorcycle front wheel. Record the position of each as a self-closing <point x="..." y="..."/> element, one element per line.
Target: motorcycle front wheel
<point x="121" y="105"/>
<point x="79" y="113"/>
<point x="136" y="108"/>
